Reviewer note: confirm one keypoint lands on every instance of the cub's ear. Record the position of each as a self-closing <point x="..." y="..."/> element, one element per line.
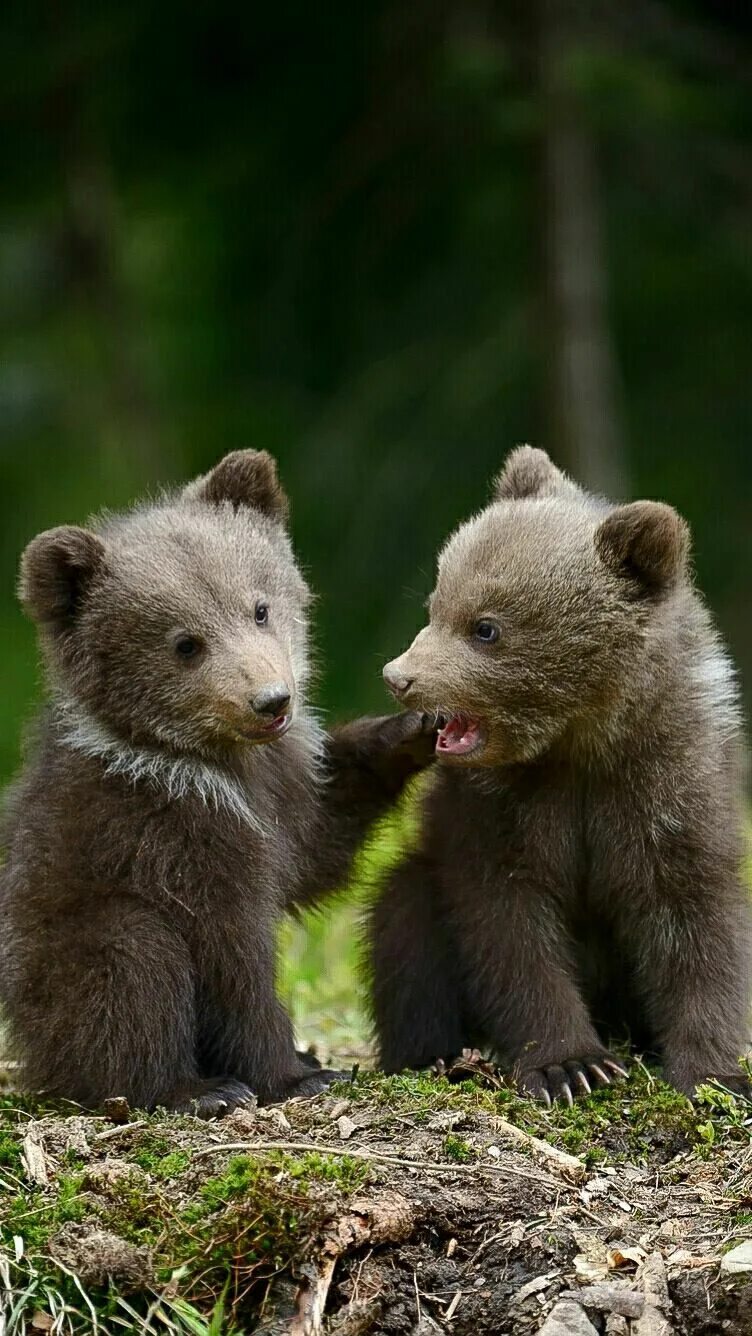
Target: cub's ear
<point x="56" y="570"/>
<point x="646" y="540"/>
<point x="244" y="478"/>
<point x="528" y="472"/>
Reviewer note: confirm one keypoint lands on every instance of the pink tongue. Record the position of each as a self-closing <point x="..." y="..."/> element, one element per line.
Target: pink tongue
<point x="460" y="735"/>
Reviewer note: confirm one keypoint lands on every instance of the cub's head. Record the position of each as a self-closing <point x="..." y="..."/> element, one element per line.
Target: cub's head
<point x="543" y="605"/>
<point x="180" y="625"/>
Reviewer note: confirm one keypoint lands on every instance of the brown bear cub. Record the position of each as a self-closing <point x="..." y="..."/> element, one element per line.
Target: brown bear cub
<point x="180" y="796"/>
<point x="579" y="865"/>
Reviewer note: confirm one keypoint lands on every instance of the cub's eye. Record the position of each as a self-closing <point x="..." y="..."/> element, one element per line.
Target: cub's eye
<point x="485" y="631"/>
<point x="187" y="647"/>
<point x="262" y="613"/>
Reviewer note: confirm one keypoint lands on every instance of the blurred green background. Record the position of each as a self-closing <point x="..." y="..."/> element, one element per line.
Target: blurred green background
<point x="385" y="241"/>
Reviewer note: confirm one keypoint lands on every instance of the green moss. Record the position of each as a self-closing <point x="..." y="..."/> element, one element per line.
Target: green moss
<point x="456" y="1148"/>
<point x="34" y="1215"/>
<point x="157" y="1156"/>
<point x="623" y="1121"/>
<point x="346" y="1171"/>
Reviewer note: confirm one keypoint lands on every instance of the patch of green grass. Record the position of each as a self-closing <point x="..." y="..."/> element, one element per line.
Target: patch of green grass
<point x="320" y="955"/>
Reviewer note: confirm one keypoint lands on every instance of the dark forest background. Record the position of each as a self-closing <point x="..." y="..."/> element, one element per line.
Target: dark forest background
<point x="385" y="241"/>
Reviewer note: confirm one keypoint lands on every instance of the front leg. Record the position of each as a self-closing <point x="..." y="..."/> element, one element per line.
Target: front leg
<point x="521" y="982"/>
<point x="692" y="948"/>
<point x="368" y="763"/>
<point x="244" y="1031"/>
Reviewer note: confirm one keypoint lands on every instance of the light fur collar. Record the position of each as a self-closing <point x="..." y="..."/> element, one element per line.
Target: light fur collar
<point x="178" y="776"/>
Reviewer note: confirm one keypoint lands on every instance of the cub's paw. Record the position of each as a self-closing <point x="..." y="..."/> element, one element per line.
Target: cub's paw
<point x="314" y="1082"/>
<point x="569" y="1079"/>
<point x="308" y="1058"/>
<point x="411" y="736"/>
<point x="214" y="1098"/>
<point x="736" y="1082"/>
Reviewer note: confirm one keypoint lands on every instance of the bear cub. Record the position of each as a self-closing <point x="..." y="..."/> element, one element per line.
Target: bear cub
<point x="178" y="798"/>
<point x="578" y="873"/>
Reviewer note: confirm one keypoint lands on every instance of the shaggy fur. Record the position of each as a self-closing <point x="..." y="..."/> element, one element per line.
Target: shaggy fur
<point x="579" y="868"/>
<point x="167" y="815"/>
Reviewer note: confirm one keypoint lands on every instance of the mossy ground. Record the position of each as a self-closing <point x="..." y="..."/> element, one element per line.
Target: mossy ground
<point x="217" y="1228"/>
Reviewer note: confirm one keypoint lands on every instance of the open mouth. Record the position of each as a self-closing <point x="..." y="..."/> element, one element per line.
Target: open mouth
<point x="267" y="732"/>
<point x="460" y="735"/>
<point x="277" y="726"/>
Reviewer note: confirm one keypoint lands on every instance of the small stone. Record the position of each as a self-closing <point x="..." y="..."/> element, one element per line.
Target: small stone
<point x="242" y="1120"/>
<point x="589" y="1270"/>
<point x="567" y="1319"/>
<point x="346" y="1127"/>
<point x="117" y="1109"/>
<point x="616" y="1325"/>
<point x="533" y="1287"/>
<point x="339" y="1107"/>
<point x="652" y="1323"/>
<point x="738" y="1260"/>
<point x="654" y="1283"/>
<point x="609" y="1299"/>
<point x="276" y="1118"/>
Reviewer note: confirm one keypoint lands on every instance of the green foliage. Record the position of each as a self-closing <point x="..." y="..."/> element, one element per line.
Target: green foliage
<point x="210" y="247"/>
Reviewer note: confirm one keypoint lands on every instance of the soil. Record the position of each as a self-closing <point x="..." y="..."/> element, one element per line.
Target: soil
<point x="395" y="1205"/>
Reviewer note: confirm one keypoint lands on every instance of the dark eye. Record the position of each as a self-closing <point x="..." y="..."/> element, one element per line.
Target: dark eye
<point x="187" y="647"/>
<point x="262" y="614"/>
<point x="487" y="632"/>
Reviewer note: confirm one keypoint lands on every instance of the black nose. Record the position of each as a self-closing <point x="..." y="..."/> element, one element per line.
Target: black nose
<point x="272" y="699"/>
<point x="396" y="681"/>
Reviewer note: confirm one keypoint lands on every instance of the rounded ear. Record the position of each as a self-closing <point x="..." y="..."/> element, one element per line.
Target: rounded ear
<point x="528" y="472"/>
<point x="56" y="569"/>
<point x="646" y="540"/>
<point x="244" y="478"/>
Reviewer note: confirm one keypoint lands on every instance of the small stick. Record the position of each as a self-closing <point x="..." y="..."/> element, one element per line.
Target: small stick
<point x="454" y="1305"/>
<point x="361" y="1153"/>
<point x="568" y="1165"/>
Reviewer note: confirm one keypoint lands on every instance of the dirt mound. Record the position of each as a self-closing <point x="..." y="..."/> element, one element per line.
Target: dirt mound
<point x="398" y="1205"/>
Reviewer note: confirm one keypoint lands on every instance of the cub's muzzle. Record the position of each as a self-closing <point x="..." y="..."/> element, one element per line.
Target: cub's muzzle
<point x="396" y="680"/>
<point x="272" y="700"/>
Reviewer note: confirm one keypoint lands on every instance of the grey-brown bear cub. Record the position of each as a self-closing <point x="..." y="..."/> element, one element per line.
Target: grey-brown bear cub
<point x="179" y="797"/>
<point x="579" y="866"/>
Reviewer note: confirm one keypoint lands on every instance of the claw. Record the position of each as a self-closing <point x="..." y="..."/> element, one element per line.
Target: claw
<point x="545" y="1098"/>
<point x="600" y="1073"/>
<point x="615" y="1067"/>
<point x="586" y="1086"/>
<point x="566" y="1094"/>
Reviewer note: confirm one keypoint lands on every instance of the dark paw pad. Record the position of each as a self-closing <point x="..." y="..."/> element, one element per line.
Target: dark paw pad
<point x="572" y="1078"/>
